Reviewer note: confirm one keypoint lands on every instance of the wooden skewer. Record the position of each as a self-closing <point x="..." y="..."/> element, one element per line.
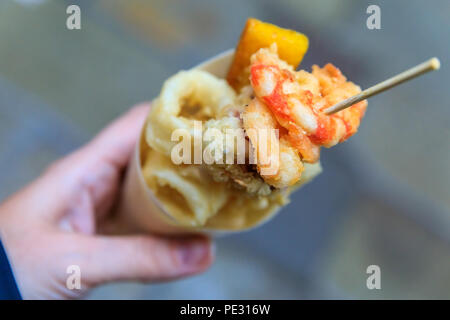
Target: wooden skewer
<point x="430" y="65"/>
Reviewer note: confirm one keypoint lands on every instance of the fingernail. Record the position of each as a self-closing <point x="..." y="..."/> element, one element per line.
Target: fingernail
<point x="194" y="253"/>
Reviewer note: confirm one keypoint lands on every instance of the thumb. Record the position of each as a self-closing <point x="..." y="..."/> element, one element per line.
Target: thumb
<point x="145" y="258"/>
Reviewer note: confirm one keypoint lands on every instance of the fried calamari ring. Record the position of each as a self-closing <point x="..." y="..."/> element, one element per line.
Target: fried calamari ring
<point x="186" y="97"/>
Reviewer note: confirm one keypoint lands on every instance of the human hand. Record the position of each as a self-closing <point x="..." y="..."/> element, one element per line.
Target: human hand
<point x="52" y="223"/>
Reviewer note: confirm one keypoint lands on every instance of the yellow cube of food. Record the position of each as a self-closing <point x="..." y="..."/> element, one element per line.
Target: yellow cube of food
<point x="291" y="45"/>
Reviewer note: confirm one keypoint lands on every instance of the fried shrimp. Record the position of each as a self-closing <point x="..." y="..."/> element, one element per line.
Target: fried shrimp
<point x="334" y="87"/>
<point x="277" y="161"/>
<point x="297" y="100"/>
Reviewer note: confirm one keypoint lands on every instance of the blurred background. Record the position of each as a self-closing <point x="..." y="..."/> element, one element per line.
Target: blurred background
<point x="383" y="197"/>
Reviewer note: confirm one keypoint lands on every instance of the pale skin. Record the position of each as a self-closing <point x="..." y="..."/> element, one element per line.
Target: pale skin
<point x="53" y="223"/>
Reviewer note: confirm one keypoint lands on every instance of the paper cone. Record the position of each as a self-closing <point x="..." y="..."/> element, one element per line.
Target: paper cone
<point x="138" y="209"/>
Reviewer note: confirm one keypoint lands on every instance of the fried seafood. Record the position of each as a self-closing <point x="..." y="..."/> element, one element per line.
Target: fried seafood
<point x="297" y="100"/>
<point x="283" y="166"/>
<point x="293" y="102"/>
<point x="276" y="112"/>
<point x="186" y="97"/>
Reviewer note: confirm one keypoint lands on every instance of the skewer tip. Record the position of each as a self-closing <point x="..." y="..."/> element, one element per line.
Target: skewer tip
<point x="435" y="63"/>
